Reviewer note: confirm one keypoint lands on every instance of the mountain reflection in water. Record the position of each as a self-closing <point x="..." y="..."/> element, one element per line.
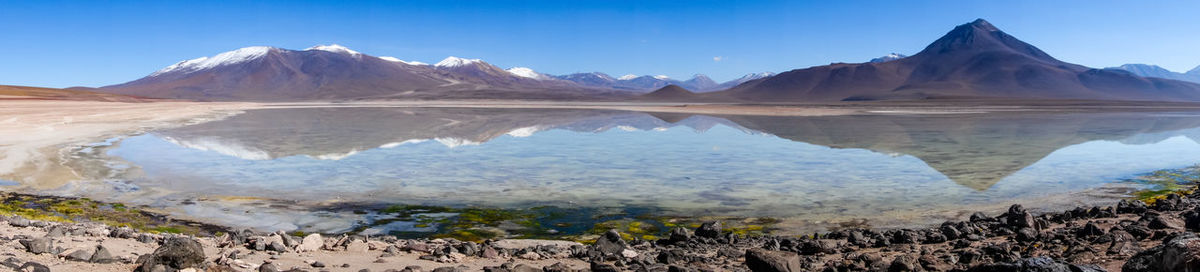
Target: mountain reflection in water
<point x="816" y="168"/>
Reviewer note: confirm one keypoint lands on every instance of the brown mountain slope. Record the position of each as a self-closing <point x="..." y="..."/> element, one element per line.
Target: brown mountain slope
<point x="669" y="93"/>
<point x="974" y="60"/>
<point x="336" y="73"/>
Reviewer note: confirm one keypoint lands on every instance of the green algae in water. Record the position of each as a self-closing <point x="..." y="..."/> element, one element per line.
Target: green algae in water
<point x="69" y="210"/>
<point x="1163" y="182"/>
<point x="547" y="222"/>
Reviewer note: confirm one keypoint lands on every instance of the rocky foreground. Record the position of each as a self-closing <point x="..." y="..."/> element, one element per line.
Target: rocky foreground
<point x="1131" y="236"/>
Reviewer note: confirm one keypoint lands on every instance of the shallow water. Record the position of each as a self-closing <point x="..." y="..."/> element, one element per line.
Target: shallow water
<point x="814" y="172"/>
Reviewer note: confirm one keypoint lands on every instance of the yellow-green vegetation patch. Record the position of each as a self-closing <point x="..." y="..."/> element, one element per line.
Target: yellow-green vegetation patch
<point x="548" y="222"/>
<point x="1164" y="182"/>
<point x="467" y="224"/>
<point x="63" y="209"/>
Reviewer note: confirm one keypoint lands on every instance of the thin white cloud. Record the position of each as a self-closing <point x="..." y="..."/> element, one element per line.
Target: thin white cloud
<point x="718" y="58"/>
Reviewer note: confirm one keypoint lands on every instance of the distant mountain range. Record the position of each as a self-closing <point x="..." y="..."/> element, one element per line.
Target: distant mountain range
<point x="645" y="84"/>
<point x="1147" y="70"/>
<point x="336" y="72"/>
<point x="973" y="61"/>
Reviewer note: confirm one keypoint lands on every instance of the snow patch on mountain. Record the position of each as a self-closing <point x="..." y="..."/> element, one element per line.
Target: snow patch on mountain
<point x="627" y="77"/>
<point x="394" y="59"/>
<point x="888" y="57"/>
<point x="232" y="57"/>
<point x="661" y="77"/>
<point x="526" y="73"/>
<point x="453" y="61"/>
<point x="334" y="48"/>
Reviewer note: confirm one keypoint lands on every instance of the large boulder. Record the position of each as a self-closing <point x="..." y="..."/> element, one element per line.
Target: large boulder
<point x="1181" y="253"/>
<point x="312" y="242"/>
<point x="762" y="260"/>
<point x="610" y="244"/>
<point x="176" y="253"/>
<point x="37" y="245"/>
<point x="711" y="229"/>
<point x="680" y="235"/>
<point x="1019" y="218"/>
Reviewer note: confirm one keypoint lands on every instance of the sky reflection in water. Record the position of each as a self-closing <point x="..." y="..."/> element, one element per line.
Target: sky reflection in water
<point x="810" y="168"/>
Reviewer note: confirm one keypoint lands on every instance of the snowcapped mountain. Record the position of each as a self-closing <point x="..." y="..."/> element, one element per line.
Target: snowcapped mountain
<point x="334" y="72"/>
<point x="528" y="73"/>
<point x="455" y="62"/>
<point x="648" y="83"/>
<point x="1148" y="70"/>
<point x="744" y="79"/>
<point x="228" y="58"/>
<point x="481" y="72"/>
<point x="888" y="57"/>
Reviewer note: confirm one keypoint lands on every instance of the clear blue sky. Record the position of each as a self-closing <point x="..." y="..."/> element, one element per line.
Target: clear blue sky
<point x="95" y="43"/>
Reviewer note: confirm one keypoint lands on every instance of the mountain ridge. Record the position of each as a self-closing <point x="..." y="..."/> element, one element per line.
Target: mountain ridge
<point x="974" y="60"/>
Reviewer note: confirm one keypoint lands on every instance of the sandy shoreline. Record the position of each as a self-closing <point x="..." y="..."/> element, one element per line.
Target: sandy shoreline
<point x="35" y="130"/>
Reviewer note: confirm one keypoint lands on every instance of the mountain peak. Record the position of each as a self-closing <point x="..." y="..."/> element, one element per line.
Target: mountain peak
<point x="980" y="36"/>
<point x="1194" y="71"/>
<point x="983" y="25"/>
<point x="669" y="92"/>
<point x="453" y="61"/>
<point x="334" y="48"/>
<point x="232" y="57"/>
<point x="627" y="77"/>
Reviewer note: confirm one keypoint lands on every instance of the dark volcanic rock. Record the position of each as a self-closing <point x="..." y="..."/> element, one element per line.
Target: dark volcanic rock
<point x="1131" y="206"/>
<point x="762" y="260"/>
<point x="711" y="229"/>
<point x="37" y="245"/>
<point x="1181" y="253"/>
<point x="611" y="243"/>
<point x="601" y="267"/>
<point x="1019" y="218"/>
<point x="680" y="235"/>
<point x="102" y="255"/>
<point x="1091" y="229"/>
<point x="35" y="267"/>
<point x="176" y="253"/>
<point x="1122" y="243"/>
<point x="1036" y="264"/>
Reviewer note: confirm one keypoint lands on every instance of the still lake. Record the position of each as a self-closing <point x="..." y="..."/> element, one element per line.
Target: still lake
<point x="293" y="168"/>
